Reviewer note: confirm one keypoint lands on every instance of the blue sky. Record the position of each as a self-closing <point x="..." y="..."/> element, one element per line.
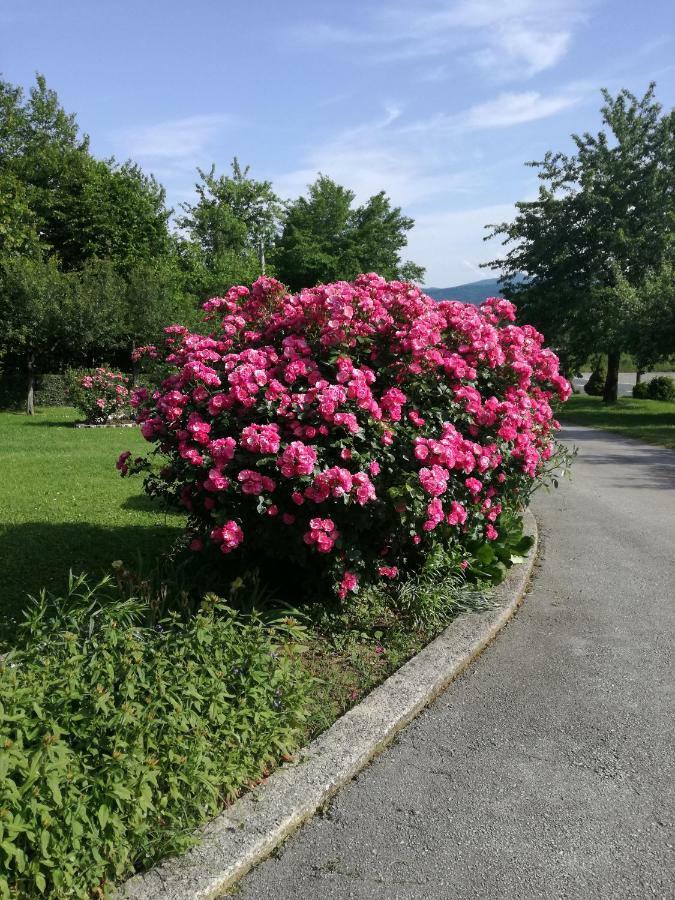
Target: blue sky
<point x="438" y="103"/>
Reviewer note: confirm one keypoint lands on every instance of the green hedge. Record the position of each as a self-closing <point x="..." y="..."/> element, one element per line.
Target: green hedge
<point x="51" y="389"/>
<point x="118" y="740"/>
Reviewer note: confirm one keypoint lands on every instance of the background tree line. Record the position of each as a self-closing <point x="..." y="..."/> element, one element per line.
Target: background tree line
<point x="93" y="263"/>
<point x="597" y="246"/>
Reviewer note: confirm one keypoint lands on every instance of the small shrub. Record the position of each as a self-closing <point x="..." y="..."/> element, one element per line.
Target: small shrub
<point x="101" y="395"/>
<point x="595" y="386"/>
<point x="118" y="740"/>
<point x="640" y="391"/>
<point x="661" y="388"/>
<point x="349" y="429"/>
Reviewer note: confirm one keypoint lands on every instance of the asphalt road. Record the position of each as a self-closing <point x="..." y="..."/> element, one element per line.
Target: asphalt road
<point x="626" y="381"/>
<point x="547" y="769"/>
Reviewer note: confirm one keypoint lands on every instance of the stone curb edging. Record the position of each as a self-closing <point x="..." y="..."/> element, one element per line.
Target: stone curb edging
<point x="250" y="829"/>
<point x="105" y="425"/>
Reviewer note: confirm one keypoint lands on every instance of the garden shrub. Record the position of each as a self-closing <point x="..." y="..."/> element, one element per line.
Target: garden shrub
<point x="350" y="429"/>
<point x="101" y="395"/>
<point x="640" y="391"/>
<point x="661" y="388"/>
<point x="595" y="386"/>
<point x="118" y="740"/>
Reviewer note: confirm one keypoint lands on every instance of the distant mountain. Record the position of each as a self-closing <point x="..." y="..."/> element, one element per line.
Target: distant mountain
<point x="473" y="292"/>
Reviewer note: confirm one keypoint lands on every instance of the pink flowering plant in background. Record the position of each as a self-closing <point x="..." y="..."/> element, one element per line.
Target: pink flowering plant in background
<point x="101" y="395"/>
<point x="353" y="430"/>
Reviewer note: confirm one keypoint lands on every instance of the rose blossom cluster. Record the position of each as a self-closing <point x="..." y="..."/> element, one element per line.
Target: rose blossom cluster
<point x="101" y="394"/>
<point x="350" y="426"/>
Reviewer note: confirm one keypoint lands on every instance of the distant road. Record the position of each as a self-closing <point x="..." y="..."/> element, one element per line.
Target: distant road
<point x="626" y="380"/>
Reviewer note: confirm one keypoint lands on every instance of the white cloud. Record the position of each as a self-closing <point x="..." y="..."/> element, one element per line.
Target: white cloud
<point x="504" y="38"/>
<point x="514" y="109"/>
<point x="384" y="154"/>
<point x="175" y="140"/>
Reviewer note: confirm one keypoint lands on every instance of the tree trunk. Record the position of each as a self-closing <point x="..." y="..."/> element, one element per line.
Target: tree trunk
<point x="134" y="365"/>
<point x="611" y="391"/>
<point x="30" y="400"/>
<point x="638" y="376"/>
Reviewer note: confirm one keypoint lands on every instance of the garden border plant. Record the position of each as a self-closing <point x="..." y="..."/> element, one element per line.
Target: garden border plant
<point x="354" y="431"/>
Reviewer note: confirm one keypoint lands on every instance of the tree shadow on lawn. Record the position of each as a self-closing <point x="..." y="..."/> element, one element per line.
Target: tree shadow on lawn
<point x="657" y="463"/>
<point x="40" y="554"/>
<point x="49" y="423"/>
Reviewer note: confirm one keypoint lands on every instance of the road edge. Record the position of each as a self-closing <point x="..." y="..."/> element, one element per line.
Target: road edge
<point x="255" y="825"/>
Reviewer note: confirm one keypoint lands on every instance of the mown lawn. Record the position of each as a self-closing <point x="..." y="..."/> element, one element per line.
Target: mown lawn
<point x="63" y="506"/>
<point x="652" y="421"/>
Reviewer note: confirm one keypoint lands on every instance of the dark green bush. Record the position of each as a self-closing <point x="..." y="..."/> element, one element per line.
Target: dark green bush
<point x="640" y="391"/>
<point x="118" y="740"/>
<point x="661" y="388"/>
<point x="595" y="385"/>
<point x="51" y="389"/>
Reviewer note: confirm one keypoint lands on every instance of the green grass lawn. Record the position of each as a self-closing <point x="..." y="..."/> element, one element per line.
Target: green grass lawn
<point x="64" y="506"/>
<point x="652" y="421"/>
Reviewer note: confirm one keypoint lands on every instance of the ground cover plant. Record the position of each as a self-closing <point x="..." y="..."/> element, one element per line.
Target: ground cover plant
<point x="118" y="739"/>
<point x="62" y="507"/>
<point x="351" y="430"/>
<point x="652" y="421"/>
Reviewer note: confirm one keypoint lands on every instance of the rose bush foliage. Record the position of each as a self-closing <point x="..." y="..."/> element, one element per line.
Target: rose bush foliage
<point x="101" y="395"/>
<point x="352" y="429"/>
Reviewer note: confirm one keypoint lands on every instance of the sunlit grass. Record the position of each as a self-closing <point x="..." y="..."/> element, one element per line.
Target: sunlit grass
<point x="63" y="505"/>
<point x="652" y="421"/>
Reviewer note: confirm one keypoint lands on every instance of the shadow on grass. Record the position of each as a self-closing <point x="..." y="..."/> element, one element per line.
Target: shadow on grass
<point x="144" y="503"/>
<point x="39" y="554"/>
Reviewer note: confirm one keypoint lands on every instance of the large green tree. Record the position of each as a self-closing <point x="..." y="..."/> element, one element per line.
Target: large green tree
<point x="82" y="208"/>
<point x="600" y="228"/>
<point x="231" y="228"/>
<point x="44" y="317"/>
<point x="326" y="239"/>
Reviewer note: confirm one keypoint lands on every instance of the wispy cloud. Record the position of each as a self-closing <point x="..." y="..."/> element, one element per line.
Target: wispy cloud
<point x="515" y="109"/>
<point x="175" y="140"/>
<point x="506" y="39"/>
<point x="419" y="160"/>
<point x="381" y="153"/>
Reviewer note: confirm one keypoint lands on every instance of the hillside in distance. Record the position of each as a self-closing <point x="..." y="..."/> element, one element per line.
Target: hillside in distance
<point x="473" y="292"/>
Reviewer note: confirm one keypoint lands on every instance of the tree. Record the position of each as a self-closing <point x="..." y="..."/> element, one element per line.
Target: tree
<point x="82" y="208"/>
<point x="153" y="298"/>
<point x="325" y="239"/>
<point x="600" y="227"/>
<point x="38" y="315"/>
<point x="234" y="223"/>
<point x="18" y="231"/>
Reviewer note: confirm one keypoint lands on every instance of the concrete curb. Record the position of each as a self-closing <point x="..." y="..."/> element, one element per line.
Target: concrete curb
<point x="255" y="825"/>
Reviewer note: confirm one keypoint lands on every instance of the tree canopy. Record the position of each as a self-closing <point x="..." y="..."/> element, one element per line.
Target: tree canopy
<point x="326" y="239"/>
<point x="92" y="265"/>
<point x="598" y="234"/>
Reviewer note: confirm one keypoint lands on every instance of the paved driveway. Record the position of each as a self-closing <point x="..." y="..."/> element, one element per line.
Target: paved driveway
<point x="547" y="769"/>
<point x="626" y="381"/>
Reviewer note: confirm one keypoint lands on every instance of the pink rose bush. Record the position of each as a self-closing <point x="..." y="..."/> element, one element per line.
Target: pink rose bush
<point x="351" y="429"/>
<point x="101" y="395"/>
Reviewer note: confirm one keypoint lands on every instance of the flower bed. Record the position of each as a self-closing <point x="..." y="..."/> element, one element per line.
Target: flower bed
<point x="353" y="429"/>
